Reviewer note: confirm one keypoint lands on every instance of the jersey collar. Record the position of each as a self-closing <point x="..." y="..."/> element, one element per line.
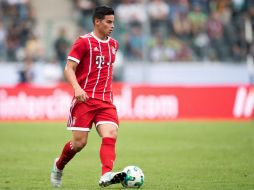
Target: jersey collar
<point x="100" y="40"/>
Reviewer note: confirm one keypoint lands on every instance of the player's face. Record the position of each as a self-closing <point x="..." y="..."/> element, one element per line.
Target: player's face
<point x="106" y="25"/>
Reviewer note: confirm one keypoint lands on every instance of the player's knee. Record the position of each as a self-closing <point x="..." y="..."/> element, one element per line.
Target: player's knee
<point x="112" y="133"/>
<point x="78" y="145"/>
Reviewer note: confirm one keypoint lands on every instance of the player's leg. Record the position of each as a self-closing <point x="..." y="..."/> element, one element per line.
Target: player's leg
<point x="108" y="132"/>
<point x="106" y="121"/>
<point x="78" y="142"/>
<point x="70" y="149"/>
<point x="80" y="122"/>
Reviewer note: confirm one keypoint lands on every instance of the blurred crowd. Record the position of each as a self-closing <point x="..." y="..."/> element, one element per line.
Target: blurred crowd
<point x="178" y="30"/>
<point x="150" y="30"/>
<point x="17" y="35"/>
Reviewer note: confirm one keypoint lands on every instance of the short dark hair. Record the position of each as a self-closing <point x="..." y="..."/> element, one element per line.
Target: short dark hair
<point x="101" y="11"/>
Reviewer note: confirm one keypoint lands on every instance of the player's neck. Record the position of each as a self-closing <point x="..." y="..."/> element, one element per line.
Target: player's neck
<point x="99" y="35"/>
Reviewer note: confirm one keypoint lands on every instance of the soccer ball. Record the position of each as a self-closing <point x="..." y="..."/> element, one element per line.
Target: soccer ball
<point x="134" y="177"/>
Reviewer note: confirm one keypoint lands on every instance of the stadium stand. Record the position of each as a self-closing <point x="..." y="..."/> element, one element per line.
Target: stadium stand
<point x="178" y="30"/>
<point x="154" y="30"/>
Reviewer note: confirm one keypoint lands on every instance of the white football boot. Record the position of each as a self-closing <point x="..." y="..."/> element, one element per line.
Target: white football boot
<point x="56" y="175"/>
<point x="110" y="178"/>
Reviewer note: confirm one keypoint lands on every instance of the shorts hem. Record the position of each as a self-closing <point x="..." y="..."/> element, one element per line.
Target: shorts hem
<point x="104" y="122"/>
<point x="78" y="129"/>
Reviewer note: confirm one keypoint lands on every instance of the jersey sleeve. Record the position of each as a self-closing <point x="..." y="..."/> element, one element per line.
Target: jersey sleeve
<point x="78" y="50"/>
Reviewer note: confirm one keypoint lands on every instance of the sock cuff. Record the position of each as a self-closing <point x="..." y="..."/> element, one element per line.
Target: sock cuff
<point x="108" y="140"/>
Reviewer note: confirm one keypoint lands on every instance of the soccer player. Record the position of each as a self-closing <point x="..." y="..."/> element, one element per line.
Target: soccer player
<point x="89" y="70"/>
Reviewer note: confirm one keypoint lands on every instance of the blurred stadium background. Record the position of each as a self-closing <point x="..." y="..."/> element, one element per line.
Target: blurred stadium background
<point x="178" y="60"/>
<point x="174" y="56"/>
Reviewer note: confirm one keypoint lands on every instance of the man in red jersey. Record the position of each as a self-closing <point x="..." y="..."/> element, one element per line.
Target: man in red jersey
<point x="89" y="70"/>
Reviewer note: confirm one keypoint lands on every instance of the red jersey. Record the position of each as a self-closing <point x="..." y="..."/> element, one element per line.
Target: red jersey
<point x="95" y="59"/>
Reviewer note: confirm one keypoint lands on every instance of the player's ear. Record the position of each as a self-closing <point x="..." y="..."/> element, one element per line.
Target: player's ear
<point x="97" y="21"/>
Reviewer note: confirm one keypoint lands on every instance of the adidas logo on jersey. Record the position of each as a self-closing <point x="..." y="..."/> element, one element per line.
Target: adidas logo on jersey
<point x="96" y="49"/>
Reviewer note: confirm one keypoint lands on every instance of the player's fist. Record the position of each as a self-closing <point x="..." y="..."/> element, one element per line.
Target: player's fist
<point x="80" y="95"/>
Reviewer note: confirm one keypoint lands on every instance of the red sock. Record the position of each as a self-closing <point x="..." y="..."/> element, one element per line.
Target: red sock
<point x="107" y="154"/>
<point x="67" y="154"/>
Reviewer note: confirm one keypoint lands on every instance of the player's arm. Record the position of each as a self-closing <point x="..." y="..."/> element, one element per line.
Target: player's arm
<point x="69" y="73"/>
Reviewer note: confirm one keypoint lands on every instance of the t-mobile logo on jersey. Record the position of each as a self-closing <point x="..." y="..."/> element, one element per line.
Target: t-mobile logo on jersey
<point x="99" y="61"/>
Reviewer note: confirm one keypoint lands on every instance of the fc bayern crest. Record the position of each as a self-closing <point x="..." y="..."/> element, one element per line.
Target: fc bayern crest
<point x="113" y="50"/>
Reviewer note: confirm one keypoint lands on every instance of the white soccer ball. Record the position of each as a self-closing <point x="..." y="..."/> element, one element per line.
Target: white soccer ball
<point x="134" y="177"/>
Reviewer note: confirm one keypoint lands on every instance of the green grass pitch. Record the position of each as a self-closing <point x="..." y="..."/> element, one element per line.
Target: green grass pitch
<point x="173" y="155"/>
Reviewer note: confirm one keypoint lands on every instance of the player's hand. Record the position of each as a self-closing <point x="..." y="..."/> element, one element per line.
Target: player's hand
<point x="80" y="95"/>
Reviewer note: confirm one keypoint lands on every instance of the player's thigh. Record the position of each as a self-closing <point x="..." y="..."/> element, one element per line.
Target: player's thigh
<point x="106" y="121"/>
<point x="81" y="117"/>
